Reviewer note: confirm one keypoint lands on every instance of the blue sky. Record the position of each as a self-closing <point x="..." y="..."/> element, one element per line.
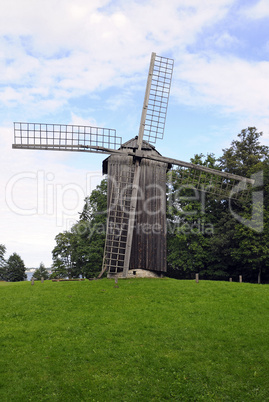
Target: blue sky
<point x="86" y="62"/>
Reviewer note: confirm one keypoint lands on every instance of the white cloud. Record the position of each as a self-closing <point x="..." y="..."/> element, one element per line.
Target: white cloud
<point x="64" y="50"/>
<point x="77" y="120"/>
<point x="224" y="41"/>
<point x="237" y="86"/>
<point x="258" y="10"/>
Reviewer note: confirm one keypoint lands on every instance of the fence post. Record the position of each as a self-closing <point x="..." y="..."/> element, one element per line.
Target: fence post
<point x="42" y="279"/>
<point x="230" y="279"/>
<point x="197" y="278"/>
<point x="33" y="281"/>
<point x="240" y="278"/>
<point x="116" y="283"/>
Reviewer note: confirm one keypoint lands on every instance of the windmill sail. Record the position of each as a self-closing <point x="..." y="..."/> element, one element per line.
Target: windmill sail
<point x="63" y="137"/>
<point x="209" y="180"/>
<point x="156" y="98"/>
<point x="212" y="183"/>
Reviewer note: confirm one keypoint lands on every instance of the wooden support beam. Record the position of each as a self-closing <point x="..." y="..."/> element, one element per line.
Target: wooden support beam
<point x="131" y="221"/>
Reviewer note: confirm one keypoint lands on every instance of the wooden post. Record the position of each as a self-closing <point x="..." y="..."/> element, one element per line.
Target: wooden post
<point x="42" y="279"/>
<point x="33" y="281"/>
<point x="230" y="279"/>
<point x="259" y="277"/>
<point x="240" y="279"/>
<point x="116" y="283"/>
<point x="197" y="278"/>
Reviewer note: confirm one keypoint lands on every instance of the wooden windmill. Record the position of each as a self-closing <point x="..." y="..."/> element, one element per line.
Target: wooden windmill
<point x="136" y="235"/>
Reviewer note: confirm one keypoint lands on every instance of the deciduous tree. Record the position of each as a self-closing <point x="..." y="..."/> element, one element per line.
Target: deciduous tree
<point x="80" y="250"/>
<point x="2" y="262"/>
<point x="240" y="236"/>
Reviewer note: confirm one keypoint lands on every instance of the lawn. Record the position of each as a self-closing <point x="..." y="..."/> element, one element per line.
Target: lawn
<point x="147" y="340"/>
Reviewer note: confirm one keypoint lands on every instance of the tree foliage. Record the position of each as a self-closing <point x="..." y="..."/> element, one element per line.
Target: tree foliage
<point x="15" y="270"/>
<point x="189" y="222"/>
<point x="79" y="252"/>
<point x="246" y="154"/>
<point x="41" y="272"/>
<point x="2" y="262"/>
<point x="12" y="269"/>
<point x="237" y="244"/>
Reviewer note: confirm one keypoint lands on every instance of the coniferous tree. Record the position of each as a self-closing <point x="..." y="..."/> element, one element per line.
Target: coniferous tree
<point x="41" y="272"/>
<point x="15" y="269"/>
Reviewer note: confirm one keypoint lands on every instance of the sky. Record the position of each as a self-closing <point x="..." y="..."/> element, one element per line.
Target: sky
<point x="86" y="62"/>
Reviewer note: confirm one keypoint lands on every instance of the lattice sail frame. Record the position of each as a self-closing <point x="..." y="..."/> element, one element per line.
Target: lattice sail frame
<point x="158" y="98"/>
<point x="212" y="183"/>
<point x="64" y="137"/>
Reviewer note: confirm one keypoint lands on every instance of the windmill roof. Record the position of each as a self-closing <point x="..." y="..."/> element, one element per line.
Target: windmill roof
<point x="132" y="144"/>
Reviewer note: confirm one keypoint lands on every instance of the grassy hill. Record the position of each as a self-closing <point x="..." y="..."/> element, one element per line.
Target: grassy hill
<point x="148" y="340"/>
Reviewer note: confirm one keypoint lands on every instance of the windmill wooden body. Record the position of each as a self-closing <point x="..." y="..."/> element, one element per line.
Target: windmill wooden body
<point x="136" y="224"/>
<point x="148" y="249"/>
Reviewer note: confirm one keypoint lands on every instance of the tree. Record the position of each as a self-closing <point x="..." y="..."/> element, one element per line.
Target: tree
<point x="245" y="153"/>
<point x="2" y="253"/>
<point x="62" y="254"/>
<point x="246" y="241"/>
<point x="2" y="262"/>
<point x="91" y="232"/>
<point x="252" y="249"/>
<point x="189" y="221"/>
<point x="41" y="272"/>
<point x="80" y="250"/>
<point x="15" y="269"/>
<point x="238" y="242"/>
<point x="58" y="269"/>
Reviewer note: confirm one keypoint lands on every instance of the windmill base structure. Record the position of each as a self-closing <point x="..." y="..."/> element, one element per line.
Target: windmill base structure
<point x="136" y="223"/>
<point x="148" y="249"/>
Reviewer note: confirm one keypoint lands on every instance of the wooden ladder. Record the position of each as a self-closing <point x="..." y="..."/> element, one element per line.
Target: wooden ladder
<point x="117" y="221"/>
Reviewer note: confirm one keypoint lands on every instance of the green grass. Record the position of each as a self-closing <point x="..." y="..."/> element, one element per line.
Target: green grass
<point x="148" y="340"/>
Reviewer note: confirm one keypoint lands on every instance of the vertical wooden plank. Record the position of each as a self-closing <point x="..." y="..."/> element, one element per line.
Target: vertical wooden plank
<point x="131" y="222"/>
<point x="148" y="249"/>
